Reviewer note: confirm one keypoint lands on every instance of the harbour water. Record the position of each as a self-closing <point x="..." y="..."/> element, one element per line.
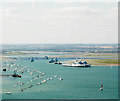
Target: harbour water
<point x="77" y="83"/>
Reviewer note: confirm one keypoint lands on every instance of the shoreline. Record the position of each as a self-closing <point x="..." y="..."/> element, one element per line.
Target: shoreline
<point x="107" y="65"/>
<point x="93" y="62"/>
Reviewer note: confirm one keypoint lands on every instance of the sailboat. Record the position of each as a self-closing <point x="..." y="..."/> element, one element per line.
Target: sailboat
<point x="56" y="61"/>
<point x="32" y="60"/>
<point x="101" y="87"/>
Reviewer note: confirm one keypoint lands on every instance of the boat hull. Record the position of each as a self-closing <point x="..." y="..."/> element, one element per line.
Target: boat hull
<point x="76" y="65"/>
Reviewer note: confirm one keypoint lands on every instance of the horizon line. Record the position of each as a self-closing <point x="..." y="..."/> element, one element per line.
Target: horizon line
<point x="51" y="43"/>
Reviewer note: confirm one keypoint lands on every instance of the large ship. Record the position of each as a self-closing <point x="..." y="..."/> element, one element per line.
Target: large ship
<point x="78" y="64"/>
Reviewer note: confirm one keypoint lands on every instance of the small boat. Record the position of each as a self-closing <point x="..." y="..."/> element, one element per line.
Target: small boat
<point x="56" y="61"/>
<point x="51" y="78"/>
<point x="60" y="78"/>
<point x="16" y="75"/>
<point x="30" y="86"/>
<point x="38" y="83"/>
<point x="55" y="75"/>
<point x="44" y="81"/>
<point x="32" y="60"/>
<point x="60" y="63"/>
<point x="37" y="75"/>
<point x="41" y="77"/>
<point x="14" y="85"/>
<point x="101" y="87"/>
<point x="48" y="78"/>
<point x="21" y="90"/>
<point x="51" y="61"/>
<point x="46" y="57"/>
<point x="4" y="69"/>
<point x="8" y="92"/>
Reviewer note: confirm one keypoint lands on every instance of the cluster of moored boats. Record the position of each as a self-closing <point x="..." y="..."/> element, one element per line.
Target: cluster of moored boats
<point x="55" y="61"/>
<point x="36" y="77"/>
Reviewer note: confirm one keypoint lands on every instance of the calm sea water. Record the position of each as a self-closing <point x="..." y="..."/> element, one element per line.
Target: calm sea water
<point x="77" y="83"/>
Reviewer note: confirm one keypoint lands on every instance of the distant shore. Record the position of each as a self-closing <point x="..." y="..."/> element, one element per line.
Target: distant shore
<point x="92" y="61"/>
<point x="3" y="58"/>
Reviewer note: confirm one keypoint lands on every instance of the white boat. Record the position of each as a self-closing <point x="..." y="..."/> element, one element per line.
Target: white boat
<point x="8" y="92"/>
<point x="60" y="78"/>
<point x="101" y="87"/>
<point x="78" y="64"/>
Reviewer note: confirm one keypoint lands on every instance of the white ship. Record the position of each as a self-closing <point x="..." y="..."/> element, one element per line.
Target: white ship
<point x="78" y="64"/>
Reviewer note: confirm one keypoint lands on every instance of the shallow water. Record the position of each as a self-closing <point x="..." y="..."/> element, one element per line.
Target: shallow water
<point x="77" y="83"/>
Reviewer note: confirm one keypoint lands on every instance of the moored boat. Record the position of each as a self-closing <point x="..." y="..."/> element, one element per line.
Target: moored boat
<point x="51" y="61"/>
<point x="56" y="61"/>
<point x="46" y="57"/>
<point x="32" y="60"/>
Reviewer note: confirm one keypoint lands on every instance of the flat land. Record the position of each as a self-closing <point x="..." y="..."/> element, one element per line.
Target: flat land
<point x="101" y="62"/>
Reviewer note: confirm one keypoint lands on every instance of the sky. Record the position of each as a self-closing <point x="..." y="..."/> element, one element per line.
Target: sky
<point x="56" y="22"/>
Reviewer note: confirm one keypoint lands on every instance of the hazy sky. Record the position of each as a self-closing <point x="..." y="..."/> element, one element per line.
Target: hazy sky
<point x="59" y="22"/>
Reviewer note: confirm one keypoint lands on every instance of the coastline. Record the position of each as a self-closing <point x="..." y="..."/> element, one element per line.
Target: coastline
<point x="93" y="62"/>
<point x="107" y="65"/>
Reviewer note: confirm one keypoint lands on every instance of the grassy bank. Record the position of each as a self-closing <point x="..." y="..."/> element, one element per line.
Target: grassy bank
<point x="101" y="62"/>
